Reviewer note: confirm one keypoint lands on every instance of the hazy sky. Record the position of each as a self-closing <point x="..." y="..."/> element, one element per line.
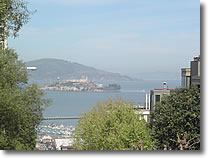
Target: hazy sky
<point x="125" y="36"/>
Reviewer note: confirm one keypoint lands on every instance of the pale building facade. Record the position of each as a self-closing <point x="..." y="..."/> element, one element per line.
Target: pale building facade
<point x="156" y="95"/>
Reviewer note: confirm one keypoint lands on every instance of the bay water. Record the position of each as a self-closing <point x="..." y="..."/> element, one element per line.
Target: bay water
<point x="70" y="104"/>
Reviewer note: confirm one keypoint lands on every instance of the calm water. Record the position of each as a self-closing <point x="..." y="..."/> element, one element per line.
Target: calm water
<point x="75" y="103"/>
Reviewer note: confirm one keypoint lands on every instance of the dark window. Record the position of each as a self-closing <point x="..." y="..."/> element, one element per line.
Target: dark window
<point x="194" y="68"/>
<point x="157" y="98"/>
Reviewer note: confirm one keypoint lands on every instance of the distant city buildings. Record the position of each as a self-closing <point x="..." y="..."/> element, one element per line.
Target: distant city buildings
<point x="191" y="76"/>
<point x="55" y="137"/>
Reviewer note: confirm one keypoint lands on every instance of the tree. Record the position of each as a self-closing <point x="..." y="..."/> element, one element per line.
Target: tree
<point x="112" y="125"/>
<point x="21" y="105"/>
<point x="175" y="122"/>
<point x="13" y="15"/>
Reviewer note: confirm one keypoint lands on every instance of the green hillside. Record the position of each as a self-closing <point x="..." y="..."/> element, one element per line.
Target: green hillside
<point x="49" y="69"/>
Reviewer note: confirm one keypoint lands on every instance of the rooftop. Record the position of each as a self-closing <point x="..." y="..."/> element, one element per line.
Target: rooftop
<point x="163" y="89"/>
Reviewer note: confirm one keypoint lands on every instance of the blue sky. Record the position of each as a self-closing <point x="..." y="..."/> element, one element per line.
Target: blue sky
<point x="125" y="36"/>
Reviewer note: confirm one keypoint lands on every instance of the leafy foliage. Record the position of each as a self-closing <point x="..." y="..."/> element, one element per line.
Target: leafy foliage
<point x="13" y="15"/>
<point x="13" y="74"/>
<point x="112" y="125"/>
<point x="21" y="105"/>
<point x="176" y="121"/>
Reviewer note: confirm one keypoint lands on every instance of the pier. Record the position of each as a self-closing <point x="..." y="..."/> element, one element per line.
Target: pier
<point x="61" y="118"/>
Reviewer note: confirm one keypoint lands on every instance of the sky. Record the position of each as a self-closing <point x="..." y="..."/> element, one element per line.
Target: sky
<point x="130" y="37"/>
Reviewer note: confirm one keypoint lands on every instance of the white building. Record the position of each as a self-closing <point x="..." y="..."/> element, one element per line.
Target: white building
<point x="63" y="143"/>
<point x="144" y="111"/>
<point x="157" y="94"/>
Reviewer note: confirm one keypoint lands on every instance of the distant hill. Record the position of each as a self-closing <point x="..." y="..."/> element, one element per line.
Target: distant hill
<point x="49" y="69"/>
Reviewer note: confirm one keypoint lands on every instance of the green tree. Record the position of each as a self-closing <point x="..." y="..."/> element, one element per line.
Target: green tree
<point x="175" y="122"/>
<point x="112" y="125"/>
<point x="13" y="15"/>
<point x="21" y="105"/>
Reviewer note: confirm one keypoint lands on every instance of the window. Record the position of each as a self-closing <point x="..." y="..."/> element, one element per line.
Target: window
<point x="157" y="98"/>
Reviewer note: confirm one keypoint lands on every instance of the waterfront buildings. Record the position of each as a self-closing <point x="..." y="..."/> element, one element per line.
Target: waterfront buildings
<point x="47" y="142"/>
<point x="55" y="137"/>
<point x="191" y="76"/>
<point x="63" y="143"/>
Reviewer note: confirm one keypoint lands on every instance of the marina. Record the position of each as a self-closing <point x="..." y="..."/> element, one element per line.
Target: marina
<point x="56" y="130"/>
<point x="55" y="137"/>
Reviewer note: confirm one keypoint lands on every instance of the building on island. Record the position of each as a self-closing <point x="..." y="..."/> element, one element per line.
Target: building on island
<point x="157" y="94"/>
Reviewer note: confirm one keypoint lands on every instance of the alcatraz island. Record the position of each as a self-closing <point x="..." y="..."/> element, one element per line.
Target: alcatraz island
<point x="80" y="85"/>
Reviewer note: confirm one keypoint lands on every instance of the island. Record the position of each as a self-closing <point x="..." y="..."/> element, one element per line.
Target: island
<point x="80" y="85"/>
